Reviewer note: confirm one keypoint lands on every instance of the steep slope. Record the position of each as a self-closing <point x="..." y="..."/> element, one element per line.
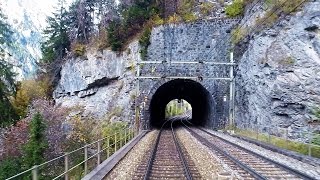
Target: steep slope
<point x="278" y="77"/>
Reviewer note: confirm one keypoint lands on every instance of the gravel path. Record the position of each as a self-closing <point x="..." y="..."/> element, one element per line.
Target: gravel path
<point x="208" y="164"/>
<point x="311" y="170"/>
<point x="126" y="167"/>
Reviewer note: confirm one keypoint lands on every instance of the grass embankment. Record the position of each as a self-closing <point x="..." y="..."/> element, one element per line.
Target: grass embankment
<point x="299" y="147"/>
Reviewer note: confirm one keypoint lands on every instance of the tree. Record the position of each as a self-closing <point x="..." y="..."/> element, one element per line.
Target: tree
<point x="33" y="151"/>
<point x="57" y="43"/>
<point x="7" y="83"/>
<point x="80" y="20"/>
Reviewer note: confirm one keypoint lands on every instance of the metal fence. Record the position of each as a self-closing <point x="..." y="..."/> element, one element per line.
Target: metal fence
<point x="108" y="145"/>
<point x="303" y="142"/>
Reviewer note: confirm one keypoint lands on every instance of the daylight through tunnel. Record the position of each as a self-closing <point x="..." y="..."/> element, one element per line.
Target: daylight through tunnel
<point x="193" y="92"/>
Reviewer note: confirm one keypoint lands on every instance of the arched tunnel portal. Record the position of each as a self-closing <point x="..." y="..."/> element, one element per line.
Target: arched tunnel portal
<point x="193" y="92"/>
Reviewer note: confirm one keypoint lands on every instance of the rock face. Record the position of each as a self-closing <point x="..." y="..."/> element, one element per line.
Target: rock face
<point x="100" y="82"/>
<point x="278" y="76"/>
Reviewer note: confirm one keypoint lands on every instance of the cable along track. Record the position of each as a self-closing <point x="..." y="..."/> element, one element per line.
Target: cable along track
<point x="167" y="160"/>
<point x="247" y="163"/>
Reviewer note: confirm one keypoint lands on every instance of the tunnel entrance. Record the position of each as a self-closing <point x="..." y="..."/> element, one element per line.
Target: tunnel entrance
<point x="191" y="91"/>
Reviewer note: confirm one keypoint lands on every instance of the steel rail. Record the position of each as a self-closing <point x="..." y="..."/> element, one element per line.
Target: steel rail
<point x="207" y="143"/>
<point x="279" y="165"/>
<point x="182" y="158"/>
<point x="153" y="154"/>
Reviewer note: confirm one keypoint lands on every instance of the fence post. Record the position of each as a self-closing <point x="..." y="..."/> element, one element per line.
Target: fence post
<point x="99" y="155"/>
<point x="66" y="166"/>
<point x="108" y="147"/>
<point x="120" y="139"/>
<point x="309" y="149"/>
<point x="287" y="138"/>
<point x="257" y="131"/>
<point x="269" y="136"/>
<point x="115" y="142"/>
<point x="86" y="160"/>
<point x="35" y="173"/>
<point x="125" y="136"/>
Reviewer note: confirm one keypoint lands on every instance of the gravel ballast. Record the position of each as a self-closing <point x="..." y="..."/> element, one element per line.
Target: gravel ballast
<point x="309" y="169"/>
<point x="207" y="163"/>
<point x="126" y="167"/>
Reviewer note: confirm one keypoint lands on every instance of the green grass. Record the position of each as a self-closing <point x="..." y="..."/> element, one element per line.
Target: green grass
<point x="282" y="143"/>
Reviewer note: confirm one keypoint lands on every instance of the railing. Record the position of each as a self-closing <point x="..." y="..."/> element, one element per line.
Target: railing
<point x="282" y="137"/>
<point x="109" y="145"/>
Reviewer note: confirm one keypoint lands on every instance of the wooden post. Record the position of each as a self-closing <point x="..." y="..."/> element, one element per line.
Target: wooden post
<point x="66" y="166"/>
<point x="287" y="134"/>
<point x="35" y="173"/>
<point x="99" y="155"/>
<point x="86" y="160"/>
<point x="115" y="142"/>
<point x="120" y="139"/>
<point x="108" y="147"/>
<point x="125" y="136"/>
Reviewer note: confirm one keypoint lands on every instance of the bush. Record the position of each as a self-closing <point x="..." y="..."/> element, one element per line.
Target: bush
<point x="29" y="90"/>
<point x="115" y="129"/>
<point x="189" y="17"/>
<point x="79" y="49"/>
<point x="316" y="112"/>
<point x="235" y="9"/>
<point x="206" y="8"/>
<point x="144" y="42"/>
<point x="9" y="167"/>
<point x="174" y="19"/>
<point x="157" y="20"/>
<point x="237" y="35"/>
<point x="316" y="139"/>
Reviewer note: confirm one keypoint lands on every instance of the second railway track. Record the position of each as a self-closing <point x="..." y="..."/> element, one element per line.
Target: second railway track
<point x="248" y="164"/>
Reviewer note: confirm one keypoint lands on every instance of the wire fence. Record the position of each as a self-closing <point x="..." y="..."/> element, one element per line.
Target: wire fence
<point x="301" y="141"/>
<point x="79" y="162"/>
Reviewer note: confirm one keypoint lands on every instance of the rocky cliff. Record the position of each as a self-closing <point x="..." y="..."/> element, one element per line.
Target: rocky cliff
<point x="101" y="82"/>
<point x="278" y="76"/>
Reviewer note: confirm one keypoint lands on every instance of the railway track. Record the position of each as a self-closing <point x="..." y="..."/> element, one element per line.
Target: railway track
<point x="247" y="163"/>
<point x="167" y="160"/>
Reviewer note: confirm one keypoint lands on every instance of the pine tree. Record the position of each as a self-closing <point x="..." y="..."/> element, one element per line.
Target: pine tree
<point x="57" y="43"/>
<point x="34" y="149"/>
<point x="80" y="20"/>
<point x="7" y="83"/>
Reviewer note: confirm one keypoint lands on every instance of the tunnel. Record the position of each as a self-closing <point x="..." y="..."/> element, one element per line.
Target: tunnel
<point x="189" y="90"/>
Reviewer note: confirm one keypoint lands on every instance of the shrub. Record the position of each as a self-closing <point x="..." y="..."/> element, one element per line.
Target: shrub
<point x="287" y="61"/>
<point x="79" y="49"/>
<point x="316" y="112"/>
<point x="268" y="19"/>
<point x="316" y="139"/>
<point x="206" y="8"/>
<point x="144" y="42"/>
<point x="174" y="19"/>
<point x="9" y="167"/>
<point x="237" y="35"/>
<point x="157" y="20"/>
<point x="29" y="90"/>
<point x="235" y="9"/>
<point x="114" y="129"/>
<point x="189" y="17"/>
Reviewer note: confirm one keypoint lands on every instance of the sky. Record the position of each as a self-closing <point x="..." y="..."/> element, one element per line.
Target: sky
<point x="36" y="9"/>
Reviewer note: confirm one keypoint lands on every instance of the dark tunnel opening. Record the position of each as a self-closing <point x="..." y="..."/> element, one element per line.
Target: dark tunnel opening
<point x="189" y="90"/>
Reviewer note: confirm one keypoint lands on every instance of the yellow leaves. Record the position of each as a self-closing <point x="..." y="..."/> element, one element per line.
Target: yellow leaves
<point x="29" y="90"/>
